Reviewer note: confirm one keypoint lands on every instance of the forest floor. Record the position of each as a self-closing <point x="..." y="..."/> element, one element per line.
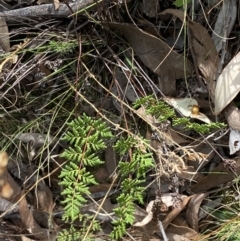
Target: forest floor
<point x="151" y="91"/>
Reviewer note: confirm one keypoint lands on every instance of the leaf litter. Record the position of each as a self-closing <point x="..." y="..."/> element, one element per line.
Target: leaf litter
<point x="192" y="167"/>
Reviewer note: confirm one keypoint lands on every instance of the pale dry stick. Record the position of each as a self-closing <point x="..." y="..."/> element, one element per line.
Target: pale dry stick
<point x="162" y="231"/>
<point x="184" y="49"/>
<point x="215" y="5"/>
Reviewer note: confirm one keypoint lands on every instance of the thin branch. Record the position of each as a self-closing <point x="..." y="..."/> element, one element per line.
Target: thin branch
<point x="48" y="10"/>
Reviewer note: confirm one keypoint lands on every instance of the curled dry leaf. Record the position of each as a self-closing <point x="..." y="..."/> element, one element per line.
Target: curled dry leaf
<point x="178" y="233"/>
<point x="174" y="213"/>
<point x="145" y="221"/>
<point x="166" y="198"/>
<point x="228" y="84"/>
<point x="193" y="210"/>
<point x="148" y="216"/>
<point x="156" y="55"/>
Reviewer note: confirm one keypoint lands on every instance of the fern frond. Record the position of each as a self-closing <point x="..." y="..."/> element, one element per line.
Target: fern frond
<point x="85" y="137"/>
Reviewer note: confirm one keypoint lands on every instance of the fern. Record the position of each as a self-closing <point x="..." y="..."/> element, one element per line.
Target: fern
<point x="86" y="137"/>
<point x="163" y="111"/>
<point x="74" y="234"/>
<point x="132" y="191"/>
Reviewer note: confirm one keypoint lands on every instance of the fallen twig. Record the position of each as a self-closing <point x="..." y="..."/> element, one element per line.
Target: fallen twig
<point x="48" y="10"/>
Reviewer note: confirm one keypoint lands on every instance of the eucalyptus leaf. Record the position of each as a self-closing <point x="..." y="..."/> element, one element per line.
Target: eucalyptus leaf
<point x="228" y="84"/>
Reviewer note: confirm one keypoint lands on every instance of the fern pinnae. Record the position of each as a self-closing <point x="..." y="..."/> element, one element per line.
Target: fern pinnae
<point x="85" y="137"/>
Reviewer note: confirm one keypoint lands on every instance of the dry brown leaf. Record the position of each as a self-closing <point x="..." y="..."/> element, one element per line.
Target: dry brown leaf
<point x="149" y="27"/>
<point x="150" y="7"/>
<point x="174" y="213"/>
<point x="145" y="221"/>
<point x="28" y="220"/>
<point x="219" y="175"/>
<point x="175" y="233"/>
<point x="44" y="198"/>
<point x="122" y="88"/>
<point x="176" y="237"/>
<point x="110" y="160"/>
<point x="14" y="194"/>
<point x="24" y="238"/>
<point x="156" y="55"/>
<point x="193" y="210"/>
<point x="177" y="137"/>
<point x="206" y="55"/>
<point x="146" y="117"/>
<point x="101" y="174"/>
<point x="232" y="115"/>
